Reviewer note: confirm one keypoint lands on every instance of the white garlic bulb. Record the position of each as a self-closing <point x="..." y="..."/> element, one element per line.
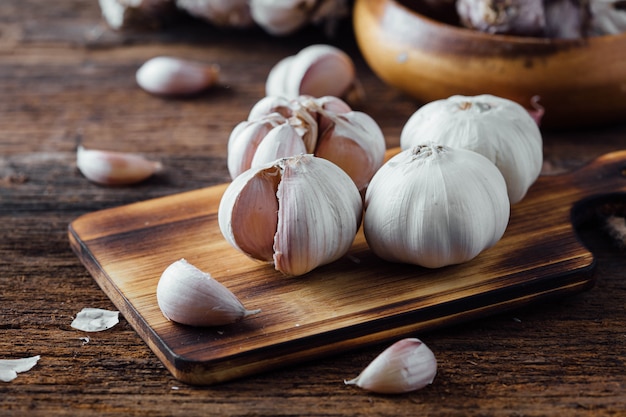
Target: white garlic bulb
<point x="114" y="168"/>
<point x="405" y="366"/>
<point x="187" y="295"/>
<point x="433" y="206"/>
<point x="169" y="76"/>
<point x="297" y="213"/>
<point x="498" y="128"/>
<point x="317" y="70"/>
<point x="325" y="126"/>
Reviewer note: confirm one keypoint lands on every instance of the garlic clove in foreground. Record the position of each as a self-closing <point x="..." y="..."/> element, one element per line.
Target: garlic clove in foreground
<point x="498" y="128"/>
<point x="114" y="168"/>
<point x="434" y="205"/>
<point x="317" y="70"/>
<point x="187" y="295"/>
<point x="169" y="76"/>
<point x="405" y="366"/>
<point x="297" y="213"/>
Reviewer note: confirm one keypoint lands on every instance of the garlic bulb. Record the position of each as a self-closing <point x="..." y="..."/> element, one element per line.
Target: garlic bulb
<point x="285" y="17"/>
<point x="114" y="168"/>
<point x="187" y="295"/>
<point x="608" y="17"/>
<point x="298" y="212"/>
<point x="325" y="126"/>
<point x="405" y="366"/>
<point x="174" y="76"/>
<point x="498" y="128"/>
<point x="433" y="206"/>
<point x="317" y="70"/>
<point x="223" y="13"/>
<point x="515" y="17"/>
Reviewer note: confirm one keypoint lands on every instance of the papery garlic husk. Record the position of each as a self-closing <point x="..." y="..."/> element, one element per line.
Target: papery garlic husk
<point x="297" y="213"/>
<point x="223" y="13"/>
<point x="187" y="295"/>
<point x="608" y="17"/>
<point x="317" y="70"/>
<point x="566" y="19"/>
<point x="170" y="76"/>
<point x="434" y="206"/>
<point x="114" y="168"/>
<point x="513" y="17"/>
<point x="407" y="365"/>
<point x="498" y="128"/>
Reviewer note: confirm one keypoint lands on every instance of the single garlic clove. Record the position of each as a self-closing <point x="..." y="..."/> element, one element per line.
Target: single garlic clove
<point x="405" y="366"/>
<point x="299" y="212"/>
<point x="497" y="128"/>
<point x="114" y="168"/>
<point x="355" y="143"/>
<point x="434" y="206"/>
<point x="268" y="105"/>
<point x="317" y="70"/>
<point x="169" y="76"/>
<point x="321" y="106"/>
<point x="187" y="295"/>
<point x="222" y="13"/>
<point x="280" y="142"/>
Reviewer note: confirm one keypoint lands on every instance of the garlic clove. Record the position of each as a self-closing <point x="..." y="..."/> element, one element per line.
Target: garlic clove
<point x="497" y="128"/>
<point x="405" y="366"/>
<point x="268" y="105"/>
<point x="222" y="13"/>
<point x="171" y="76"/>
<point x="187" y="295"/>
<point x="434" y="206"/>
<point x="317" y="70"/>
<point x="282" y="141"/>
<point x="284" y="17"/>
<point x="114" y="168"/>
<point x="299" y="212"/>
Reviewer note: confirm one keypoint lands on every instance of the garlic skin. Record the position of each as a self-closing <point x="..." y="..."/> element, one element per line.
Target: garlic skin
<point x="407" y="365"/>
<point x="317" y="70"/>
<point x="221" y="13"/>
<point x="187" y="295"/>
<point x="170" y="76"/>
<point x="433" y="206"/>
<point x="514" y="17"/>
<point x="325" y="126"/>
<point x="114" y="168"/>
<point x="298" y="213"/>
<point x="498" y="128"/>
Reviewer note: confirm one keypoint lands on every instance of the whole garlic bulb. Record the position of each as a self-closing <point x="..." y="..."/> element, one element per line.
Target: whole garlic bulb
<point x="298" y="212"/>
<point x="498" y="128"/>
<point x="325" y="126"/>
<point x="187" y="295"/>
<point x="434" y="205"/>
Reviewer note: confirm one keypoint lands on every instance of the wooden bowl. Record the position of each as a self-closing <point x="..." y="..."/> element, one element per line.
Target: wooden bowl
<point x="580" y="82"/>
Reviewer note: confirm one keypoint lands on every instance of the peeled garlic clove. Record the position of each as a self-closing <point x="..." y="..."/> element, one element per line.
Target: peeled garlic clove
<point x="434" y="205"/>
<point x="298" y="212"/>
<point x="282" y="141"/>
<point x="170" y="76"/>
<point x="317" y="70"/>
<point x="223" y="13"/>
<point x="355" y="143"/>
<point x="405" y="366"/>
<point x="187" y="295"/>
<point x="114" y="168"/>
<point x="497" y="128"/>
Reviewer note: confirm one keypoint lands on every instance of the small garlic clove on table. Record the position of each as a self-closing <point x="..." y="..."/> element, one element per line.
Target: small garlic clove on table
<point x="114" y="168"/>
<point x="405" y="366"/>
<point x="298" y="213"/>
<point x="169" y="76"/>
<point x="187" y="295"/>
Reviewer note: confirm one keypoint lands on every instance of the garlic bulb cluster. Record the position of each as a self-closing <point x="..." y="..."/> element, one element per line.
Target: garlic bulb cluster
<point x="114" y="168"/>
<point x="297" y="213"/>
<point x="317" y="70"/>
<point x="405" y="366"/>
<point x="433" y="206"/>
<point x="169" y="76"/>
<point x="498" y="128"/>
<point x="285" y="17"/>
<point x="326" y="127"/>
<point x="187" y="295"/>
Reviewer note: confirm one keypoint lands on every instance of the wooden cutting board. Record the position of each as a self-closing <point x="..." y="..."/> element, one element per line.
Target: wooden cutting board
<point x="355" y="301"/>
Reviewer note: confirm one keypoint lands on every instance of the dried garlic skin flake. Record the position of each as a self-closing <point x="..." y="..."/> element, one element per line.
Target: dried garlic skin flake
<point x="9" y="368"/>
<point x="95" y="319"/>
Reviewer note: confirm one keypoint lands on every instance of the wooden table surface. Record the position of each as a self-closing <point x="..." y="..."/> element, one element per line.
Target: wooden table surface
<point x="65" y="76"/>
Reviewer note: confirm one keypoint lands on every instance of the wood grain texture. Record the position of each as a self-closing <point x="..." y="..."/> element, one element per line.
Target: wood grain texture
<point x="355" y="301"/>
